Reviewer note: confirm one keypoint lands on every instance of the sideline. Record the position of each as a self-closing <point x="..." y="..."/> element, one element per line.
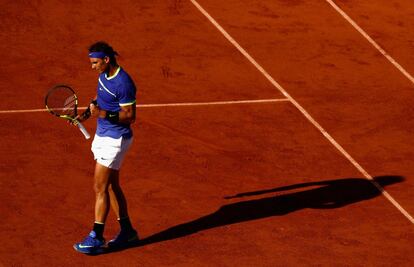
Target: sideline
<point x="375" y="44"/>
<point x="303" y="111"/>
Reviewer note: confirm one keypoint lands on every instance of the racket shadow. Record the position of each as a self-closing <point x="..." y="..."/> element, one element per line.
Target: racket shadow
<point x="328" y="194"/>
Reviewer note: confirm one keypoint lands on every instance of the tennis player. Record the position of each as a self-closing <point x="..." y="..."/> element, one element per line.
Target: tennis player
<point x="114" y="108"/>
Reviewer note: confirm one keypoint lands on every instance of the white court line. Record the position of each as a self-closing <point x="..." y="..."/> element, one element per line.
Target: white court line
<point x="23" y="111"/>
<point x="366" y="36"/>
<point x="234" y="102"/>
<point x="303" y="111"/>
<point x="215" y="103"/>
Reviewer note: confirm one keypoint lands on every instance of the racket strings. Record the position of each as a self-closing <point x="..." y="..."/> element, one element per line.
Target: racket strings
<point x="69" y="104"/>
<point x="62" y="101"/>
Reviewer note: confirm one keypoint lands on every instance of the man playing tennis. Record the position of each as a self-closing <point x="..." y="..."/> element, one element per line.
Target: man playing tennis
<point x="114" y="108"/>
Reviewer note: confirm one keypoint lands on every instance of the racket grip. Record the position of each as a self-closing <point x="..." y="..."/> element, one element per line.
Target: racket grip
<point x="83" y="130"/>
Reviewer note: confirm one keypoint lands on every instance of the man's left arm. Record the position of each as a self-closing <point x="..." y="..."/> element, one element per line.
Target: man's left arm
<point x="127" y="114"/>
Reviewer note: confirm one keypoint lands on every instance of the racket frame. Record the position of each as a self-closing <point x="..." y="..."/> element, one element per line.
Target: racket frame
<point x="67" y="117"/>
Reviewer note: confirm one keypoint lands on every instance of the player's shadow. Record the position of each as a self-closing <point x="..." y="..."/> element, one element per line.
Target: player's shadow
<point x="328" y="194"/>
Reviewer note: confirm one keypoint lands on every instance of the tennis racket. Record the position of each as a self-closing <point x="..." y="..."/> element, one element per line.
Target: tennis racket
<point x="62" y="102"/>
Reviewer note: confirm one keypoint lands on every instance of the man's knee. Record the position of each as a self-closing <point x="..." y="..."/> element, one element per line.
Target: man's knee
<point x="100" y="188"/>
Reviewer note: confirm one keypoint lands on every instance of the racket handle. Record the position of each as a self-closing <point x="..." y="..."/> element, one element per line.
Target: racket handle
<point x="83" y="130"/>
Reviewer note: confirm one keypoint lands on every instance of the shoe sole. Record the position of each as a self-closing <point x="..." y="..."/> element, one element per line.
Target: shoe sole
<point x="89" y="251"/>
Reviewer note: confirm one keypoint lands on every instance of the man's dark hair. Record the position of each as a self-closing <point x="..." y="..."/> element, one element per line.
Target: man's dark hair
<point x="107" y="49"/>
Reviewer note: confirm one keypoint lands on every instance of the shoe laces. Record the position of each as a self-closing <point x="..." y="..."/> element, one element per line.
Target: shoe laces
<point x="91" y="240"/>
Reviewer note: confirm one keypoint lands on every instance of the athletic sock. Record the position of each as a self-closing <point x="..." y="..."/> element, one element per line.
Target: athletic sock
<point x="125" y="224"/>
<point x="98" y="228"/>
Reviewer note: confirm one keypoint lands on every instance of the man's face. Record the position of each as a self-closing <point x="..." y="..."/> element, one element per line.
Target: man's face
<point x="99" y="64"/>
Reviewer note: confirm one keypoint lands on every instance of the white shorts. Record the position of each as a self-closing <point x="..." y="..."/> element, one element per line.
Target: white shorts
<point x="110" y="152"/>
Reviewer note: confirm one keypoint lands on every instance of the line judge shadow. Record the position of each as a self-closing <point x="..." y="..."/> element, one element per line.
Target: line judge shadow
<point x="328" y="194"/>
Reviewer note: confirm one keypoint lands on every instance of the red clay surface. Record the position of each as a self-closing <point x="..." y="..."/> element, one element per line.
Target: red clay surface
<point x="228" y="185"/>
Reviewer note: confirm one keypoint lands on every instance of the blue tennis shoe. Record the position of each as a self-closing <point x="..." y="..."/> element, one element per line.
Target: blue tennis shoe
<point x="124" y="239"/>
<point x="90" y="245"/>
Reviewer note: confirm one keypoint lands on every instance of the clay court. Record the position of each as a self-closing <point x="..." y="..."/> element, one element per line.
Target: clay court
<point x="266" y="132"/>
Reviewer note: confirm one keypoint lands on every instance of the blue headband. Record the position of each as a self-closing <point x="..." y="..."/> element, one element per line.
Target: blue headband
<point x="98" y="55"/>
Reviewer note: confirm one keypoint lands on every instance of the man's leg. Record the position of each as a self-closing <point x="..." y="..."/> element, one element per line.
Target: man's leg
<point x="119" y="206"/>
<point x="102" y="179"/>
<point x="95" y="242"/>
<point x="116" y="196"/>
